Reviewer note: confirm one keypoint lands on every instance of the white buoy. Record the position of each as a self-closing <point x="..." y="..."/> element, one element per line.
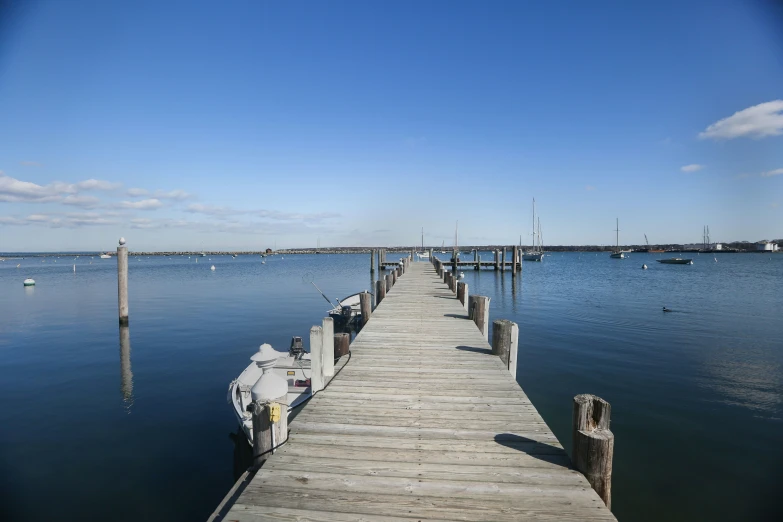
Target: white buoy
<point x="461" y="275"/>
<point x="212" y="268"/>
<point x="644" y="267"/>
<point x="29" y="282"/>
<point x="20" y="264"/>
<point x="74" y="269"/>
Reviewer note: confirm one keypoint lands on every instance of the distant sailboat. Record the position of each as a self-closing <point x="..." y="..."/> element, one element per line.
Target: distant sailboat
<point x="536" y="253"/>
<point x="423" y="254"/>
<point x="617" y="253"/>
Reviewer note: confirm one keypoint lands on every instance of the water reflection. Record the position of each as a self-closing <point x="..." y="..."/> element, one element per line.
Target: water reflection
<point x="126" y="374"/>
<point x="243" y="453"/>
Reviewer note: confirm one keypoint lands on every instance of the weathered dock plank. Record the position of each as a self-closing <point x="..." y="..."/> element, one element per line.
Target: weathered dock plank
<point x="423" y="423"/>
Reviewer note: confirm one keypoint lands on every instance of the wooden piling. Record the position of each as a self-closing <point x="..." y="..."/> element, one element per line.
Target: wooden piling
<point x="462" y="293"/>
<point x="122" y="282"/>
<point x="394" y="277"/>
<point x="503" y="259"/>
<point x="478" y="263"/>
<point x="478" y="310"/>
<point x="316" y="358"/>
<point x="388" y="278"/>
<point x="380" y="291"/>
<point x="505" y="339"/>
<point x="372" y="261"/>
<point x="328" y="347"/>
<point x="497" y="260"/>
<point x="270" y="427"/>
<point x="342" y="343"/>
<point x="593" y="443"/>
<point x="365" y="304"/>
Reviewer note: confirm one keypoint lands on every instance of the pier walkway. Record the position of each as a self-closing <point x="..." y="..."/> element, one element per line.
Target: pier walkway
<point x="423" y="423"/>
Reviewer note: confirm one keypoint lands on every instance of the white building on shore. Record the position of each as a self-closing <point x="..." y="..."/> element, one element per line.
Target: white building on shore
<point x="766" y="246"/>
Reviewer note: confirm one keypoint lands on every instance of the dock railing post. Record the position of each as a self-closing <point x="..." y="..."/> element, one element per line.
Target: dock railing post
<point x="380" y="291"/>
<point x="269" y="407"/>
<point x="365" y="305"/>
<point x="342" y="343"/>
<point x="122" y="282"/>
<point x="505" y="342"/>
<point x="316" y="358"/>
<point x="593" y="443"/>
<point x="478" y="311"/>
<point x="328" y="350"/>
<point x="462" y="293"/>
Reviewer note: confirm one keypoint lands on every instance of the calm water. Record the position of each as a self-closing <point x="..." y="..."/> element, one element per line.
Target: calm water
<point x="697" y="395"/>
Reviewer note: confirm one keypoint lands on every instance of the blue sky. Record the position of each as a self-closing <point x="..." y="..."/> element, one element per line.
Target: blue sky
<point x="223" y="125"/>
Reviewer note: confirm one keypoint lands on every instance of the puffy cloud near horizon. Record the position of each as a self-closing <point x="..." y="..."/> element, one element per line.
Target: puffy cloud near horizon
<point x="693" y="167"/>
<point x="758" y="121"/>
<point x="144" y="204"/>
<point x="770" y="173"/>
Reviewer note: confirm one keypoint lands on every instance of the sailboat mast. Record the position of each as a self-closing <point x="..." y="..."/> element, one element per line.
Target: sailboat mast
<point x="618" y="233"/>
<point x="534" y="224"/>
<point x="456" y="236"/>
<point x="422" y="239"/>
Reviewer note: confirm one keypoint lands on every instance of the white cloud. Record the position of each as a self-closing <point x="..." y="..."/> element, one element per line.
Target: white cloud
<point x="693" y="167"/>
<point x="770" y="173"/>
<point x="134" y="192"/>
<point x="97" y="184"/>
<point x="764" y="119"/>
<point x="14" y="190"/>
<point x="81" y="201"/>
<point x="144" y="204"/>
<point x="172" y="194"/>
<point x="211" y="210"/>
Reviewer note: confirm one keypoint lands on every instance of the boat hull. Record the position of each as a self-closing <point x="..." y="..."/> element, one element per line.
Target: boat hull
<point x="675" y="261"/>
<point x="617" y="255"/>
<point x="533" y="256"/>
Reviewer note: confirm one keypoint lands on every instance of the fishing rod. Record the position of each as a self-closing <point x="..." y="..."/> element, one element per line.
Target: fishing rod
<point x="324" y="296"/>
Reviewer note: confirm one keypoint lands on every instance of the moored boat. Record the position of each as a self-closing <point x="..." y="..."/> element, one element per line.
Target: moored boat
<point x="675" y="261"/>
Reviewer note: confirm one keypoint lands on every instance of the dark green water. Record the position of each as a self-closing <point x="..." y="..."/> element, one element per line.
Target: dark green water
<point x="697" y="394"/>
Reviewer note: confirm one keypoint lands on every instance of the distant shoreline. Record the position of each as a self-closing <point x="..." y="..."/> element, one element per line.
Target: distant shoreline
<point x="366" y="250"/>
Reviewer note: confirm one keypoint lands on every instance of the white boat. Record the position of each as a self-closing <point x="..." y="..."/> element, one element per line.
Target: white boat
<point x="105" y="256"/>
<point x="617" y="253"/>
<point x="536" y="254"/>
<point x="29" y="282"/>
<point x="294" y="367"/>
<point x="348" y="313"/>
<point x="423" y="254"/>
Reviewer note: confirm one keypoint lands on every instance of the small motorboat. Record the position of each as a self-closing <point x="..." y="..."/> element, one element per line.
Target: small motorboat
<point x="29" y="282"/>
<point x="293" y="367"/>
<point x="105" y="256"/>
<point x="675" y="261"/>
<point x="348" y="314"/>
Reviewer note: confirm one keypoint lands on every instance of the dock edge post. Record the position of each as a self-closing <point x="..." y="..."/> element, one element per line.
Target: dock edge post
<point x="316" y="358"/>
<point x="122" y="282"/>
<point x="328" y="347"/>
<point x="365" y="304"/>
<point x="505" y="337"/>
<point x="593" y="443"/>
<point x="478" y="310"/>
<point x="462" y="294"/>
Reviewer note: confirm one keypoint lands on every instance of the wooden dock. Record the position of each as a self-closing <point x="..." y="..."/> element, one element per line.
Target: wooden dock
<point x="423" y="423"/>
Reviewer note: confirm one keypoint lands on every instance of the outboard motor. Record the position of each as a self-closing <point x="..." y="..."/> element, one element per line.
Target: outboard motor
<point x="297" y="348"/>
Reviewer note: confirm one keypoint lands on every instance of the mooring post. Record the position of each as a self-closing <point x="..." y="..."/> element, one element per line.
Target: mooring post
<point x="365" y="304"/>
<point x="503" y="259"/>
<point x="462" y="293"/>
<point x="372" y="261"/>
<point x="342" y="343"/>
<point x="122" y="282"/>
<point x="593" y="443"/>
<point x="328" y="351"/>
<point x="316" y="358"/>
<point x="388" y="278"/>
<point x="505" y="340"/>
<point x="269" y="407"/>
<point x="394" y="276"/>
<point x="497" y="260"/>
<point x="513" y="261"/>
<point x="380" y="291"/>
<point x="478" y="263"/>
<point x="478" y="310"/>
